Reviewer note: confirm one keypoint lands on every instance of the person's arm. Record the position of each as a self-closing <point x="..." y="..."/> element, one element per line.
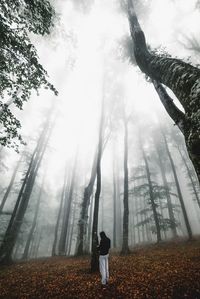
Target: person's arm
<point x="99" y="246"/>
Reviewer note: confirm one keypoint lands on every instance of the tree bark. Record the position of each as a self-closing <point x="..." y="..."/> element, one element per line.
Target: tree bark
<point x="84" y="208"/>
<point x="182" y="78"/>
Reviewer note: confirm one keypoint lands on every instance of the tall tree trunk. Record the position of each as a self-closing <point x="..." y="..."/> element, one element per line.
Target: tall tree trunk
<point x="63" y="230"/>
<point x="72" y="229"/>
<point x="153" y="204"/>
<point x="30" y="236"/>
<point x="84" y="208"/>
<point x="58" y="218"/>
<point x="37" y="245"/>
<point x="90" y="222"/>
<point x="169" y="203"/>
<point x="94" y="256"/>
<point x="114" y="207"/>
<point x="182" y="78"/>
<point x="125" y="247"/>
<point x="14" y="226"/>
<point x="65" y="225"/>
<point x="190" y="176"/>
<point x="137" y="219"/>
<point x="133" y="220"/>
<point x="102" y="211"/>
<point x="142" y="219"/>
<point x="147" y="228"/>
<point x="10" y="185"/>
<point x="178" y="189"/>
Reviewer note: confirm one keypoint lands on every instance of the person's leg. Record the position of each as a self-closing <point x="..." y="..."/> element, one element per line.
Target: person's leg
<point x="102" y="269"/>
<point x="107" y="267"/>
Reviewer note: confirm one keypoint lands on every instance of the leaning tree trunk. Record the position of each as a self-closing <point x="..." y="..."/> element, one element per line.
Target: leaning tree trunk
<point x="125" y="247"/>
<point x="188" y="227"/>
<point x="182" y="78"/>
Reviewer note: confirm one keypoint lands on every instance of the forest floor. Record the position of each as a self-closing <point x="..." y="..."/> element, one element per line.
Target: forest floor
<point x="158" y="272"/>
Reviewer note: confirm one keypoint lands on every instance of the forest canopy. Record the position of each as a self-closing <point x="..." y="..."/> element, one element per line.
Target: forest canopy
<point x="21" y="70"/>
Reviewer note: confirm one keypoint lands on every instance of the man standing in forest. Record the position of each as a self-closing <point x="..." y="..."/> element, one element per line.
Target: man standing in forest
<point x="103" y="257"/>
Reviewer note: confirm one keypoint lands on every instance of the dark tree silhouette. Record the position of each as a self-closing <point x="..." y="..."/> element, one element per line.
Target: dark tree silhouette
<point x="84" y="207"/>
<point x="21" y="204"/>
<point x="125" y="247"/>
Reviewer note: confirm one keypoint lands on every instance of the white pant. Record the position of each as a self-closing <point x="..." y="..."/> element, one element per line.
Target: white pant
<point x="103" y="267"/>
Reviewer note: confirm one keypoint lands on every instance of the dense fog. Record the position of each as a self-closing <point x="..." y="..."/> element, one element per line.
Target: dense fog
<point x="102" y="94"/>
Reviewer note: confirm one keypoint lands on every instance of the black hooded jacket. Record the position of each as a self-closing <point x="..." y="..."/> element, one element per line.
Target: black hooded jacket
<point x="104" y="245"/>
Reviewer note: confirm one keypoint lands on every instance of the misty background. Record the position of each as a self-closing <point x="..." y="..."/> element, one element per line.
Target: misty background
<point x="87" y="59"/>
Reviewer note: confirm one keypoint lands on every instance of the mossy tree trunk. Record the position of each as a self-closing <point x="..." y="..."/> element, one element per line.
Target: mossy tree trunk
<point x="182" y="78"/>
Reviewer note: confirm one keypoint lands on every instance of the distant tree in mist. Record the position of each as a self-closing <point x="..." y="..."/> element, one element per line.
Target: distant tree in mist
<point x="155" y="195"/>
<point x="177" y="184"/>
<point x="125" y="247"/>
<point x="27" y="247"/>
<point x="21" y="204"/>
<point x="61" y="195"/>
<point x="10" y="185"/>
<point x="180" y="77"/>
<point x="161" y="161"/>
<point x="21" y="71"/>
<point x="191" y="176"/>
<point x="116" y="199"/>
<point x="68" y="194"/>
<point x="152" y="191"/>
<point x="95" y="243"/>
